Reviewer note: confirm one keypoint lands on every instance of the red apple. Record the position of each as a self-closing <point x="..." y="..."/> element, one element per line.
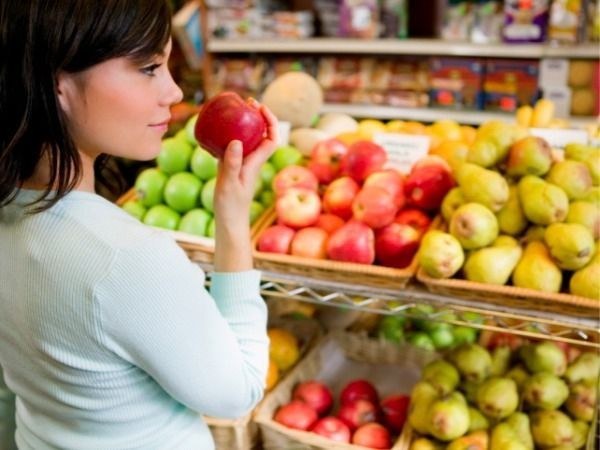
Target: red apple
<point x="298" y="207"/>
<point x="339" y="195"/>
<point x="374" y="206"/>
<point x="359" y="389"/>
<point x="275" y="239"/>
<point x="396" y="245"/>
<point x="354" y="242"/>
<point x="426" y="187"/>
<point x="297" y="415"/>
<point x="372" y="435"/>
<point x="329" y="222"/>
<point x="432" y="160"/>
<point x="226" y="117"/>
<point x="310" y="242"/>
<point x="357" y="413"/>
<point x="415" y="218"/>
<point x="294" y="176"/>
<point x="395" y="411"/>
<point x="363" y="158"/>
<point x="332" y="428"/>
<point x="314" y="394"/>
<point x="392" y="181"/>
<point x="325" y="159"/>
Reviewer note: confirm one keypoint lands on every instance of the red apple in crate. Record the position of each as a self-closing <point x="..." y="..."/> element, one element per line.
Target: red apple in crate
<point x="310" y="242"/>
<point x="426" y="187"/>
<point x="332" y="428"/>
<point x="226" y="117"/>
<point x="316" y="395"/>
<point x="294" y="176"/>
<point x="372" y="435"/>
<point x="338" y="197"/>
<point x="395" y="411"/>
<point x="363" y="158"/>
<point x="325" y="159"/>
<point x="297" y="415"/>
<point x="354" y="242"/>
<point x="298" y="207"/>
<point x="396" y="245"/>
<point x="414" y="218"/>
<point x="357" y="413"/>
<point x="359" y="389"/>
<point x="374" y="206"/>
<point x="275" y="239"/>
<point x="330" y="222"/>
<point x="392" y="181"/>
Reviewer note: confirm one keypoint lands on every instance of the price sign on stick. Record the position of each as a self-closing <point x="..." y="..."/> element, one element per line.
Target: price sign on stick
<point x="403" y="149"/>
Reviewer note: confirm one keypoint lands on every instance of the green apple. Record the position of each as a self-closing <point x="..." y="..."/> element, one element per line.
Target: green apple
<point x="208" y="194"/>
<point x="267" y="173"/>
<point x="182" y="191"/>
<point x="285" y="156"/>
<point x="163" y="217"/>
<point x="174" y="156"/>
<point x="256" y="209"/>
<point x="442" y="337"/>
<point x="181" y="135"/>
<point x="421" y="313"/>
<point x="392" y="328"/>
<point x="421" y="339"/>
<point x="135" y="208"/>
<point x="149" y="186"/>
<point x="210" y="229"/>
<point x="190" y="125"/>
<point x="203" y="164"/>
<point x="267" y="198"/>
<point x="195" y="222"/>
<point x="258" y="187"/>
<point x="472" y="317"/>
<point x="464" y="335"/>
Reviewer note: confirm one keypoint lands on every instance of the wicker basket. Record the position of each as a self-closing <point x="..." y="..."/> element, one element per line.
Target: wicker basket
<point x="243" y="433"/>
<point x="512" y="296"/>
<point x="338" y="358"/>
<point x="343" y="272"/>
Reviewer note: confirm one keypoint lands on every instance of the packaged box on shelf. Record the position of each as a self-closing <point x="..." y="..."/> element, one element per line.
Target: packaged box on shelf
<point x="561" y="97"/>
<point x="242" y="75"/>
<point x="401" y="74"/>
<point x="345" y="73"/>
<point x="509" y="84"/>
<point x="525" y="20"/>
<point x="359" y="18"/>
<point x="399" y="98"/>
<point x="456" y="82"/>
<point x="234" y="23"/>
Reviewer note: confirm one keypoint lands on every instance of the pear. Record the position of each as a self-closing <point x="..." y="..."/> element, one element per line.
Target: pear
<point x="500" y="360"/>
<point x="505" y="438"/>
<point x="425" y="444"/>
<point x="573" y="177"/>
<point x="593" y="195"/>
<point x="452" y="201"/>
<point x="440" y="254"/>
<point x="543" y="203"/>
<point x="472" y="361"/>
<point x="580" y="433"/>
<point x="586" y="367"/>
<point x="586" y="214"/>
<point x="483" y="186"/>
<point x="551" y="428"/>
<point x="588" y="155"/>
<point x="422" y="396"/>
<point x="492" y="265"/>
<point x="529" y="156"/>
<point x="497" y="397"/>
<point x="484" y="153"/>
<point x="477" y="440"/>
<point x="448" y="417"/>
<point x="586" y="281"/>
<point x="511" y="219"/>
<point x="505" y="241"/>
<point x="534" y="233"/>
<point x="469" y="389"/>
<point x="570" y="244"/>
<point x="501" y="134"/>
<point x="537" y="270"/>
<point x="545" y="391"/>
<point x="441" y="375"/>
<point x="519" y="422"/>
<point x="477" y="421"/>
<point x="474" y="226"/>
<point x="519" y="375"/>
<point x="582" y="400"/>
<point x="544" y="357"/>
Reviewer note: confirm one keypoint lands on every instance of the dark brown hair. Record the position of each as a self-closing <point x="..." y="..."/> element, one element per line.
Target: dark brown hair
<point x="40" y="39"/>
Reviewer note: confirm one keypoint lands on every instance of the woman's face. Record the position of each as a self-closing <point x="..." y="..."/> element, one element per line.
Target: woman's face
<point x="119" y="107"/>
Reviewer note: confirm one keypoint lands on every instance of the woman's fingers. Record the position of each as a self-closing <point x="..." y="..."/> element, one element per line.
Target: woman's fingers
<point x="231" y="165"/>
<point x="258" y="157"/>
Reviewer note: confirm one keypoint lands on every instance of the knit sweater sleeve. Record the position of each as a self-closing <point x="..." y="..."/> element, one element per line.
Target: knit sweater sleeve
<point x="208" y="353"/>
<point x="7" y="416"/>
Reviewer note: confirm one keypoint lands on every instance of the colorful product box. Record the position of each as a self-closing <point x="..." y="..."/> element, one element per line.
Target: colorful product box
<point x="525" y="20"/>
<point x="510" y="83"/>
<point x="456" y="82"/>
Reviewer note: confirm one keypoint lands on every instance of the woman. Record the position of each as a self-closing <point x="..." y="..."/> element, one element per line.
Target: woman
<point x="108" y="339"/>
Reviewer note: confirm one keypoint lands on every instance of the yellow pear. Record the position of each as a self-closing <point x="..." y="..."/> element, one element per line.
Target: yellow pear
<point x="537" y="270"/>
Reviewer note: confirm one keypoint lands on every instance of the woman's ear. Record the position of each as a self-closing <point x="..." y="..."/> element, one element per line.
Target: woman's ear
<point x="64" y="91"/>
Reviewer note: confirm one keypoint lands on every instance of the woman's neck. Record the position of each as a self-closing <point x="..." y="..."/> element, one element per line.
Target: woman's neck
<point x="40" y="180"/>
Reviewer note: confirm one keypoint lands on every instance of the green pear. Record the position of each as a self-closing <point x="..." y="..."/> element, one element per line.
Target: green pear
<point x="469" y="389"/>
<point x="586" y="281"/>
<point x="422" y="396"/>
<point x="492" y="265"/>
<point x="441" y="375"/>
<point x="545" y="391"/>
<point x="586" y="214"/>
<point x="440" y="254"/>
<point x="511" y="219"/>
<point x="573" y="177"/>
<point x="529" y="156"/>
<point x="472" y="361"/>
<point x="570" y="244"/>
<point x="537" y="270"/>
<point x="452" y="201"/>
<point x="586" y="367"/>
<point x="474" y="226"/>
<point x="426" y="444"/>
<point x="588" y="155"/>
<point x="543" y="203"/>
<point x="483" y="186"/>
<point x="551" y="428"/>
<point x="476" y="440"/>
<point x="498" y="397"/>
<point x="448" y="417"/>
<point x="477" y="421"/>
<point x="544" y="357"/>
<point x="593" y="195"/>
<point x="500" y="360"/>
<point x="582" y="400"/>
<point x="504" y="437"/>
<point x="580" y="433"/>
<point x="519" y="375"/>
<point x="519" y="422"/>
<point x="484" y="153"/>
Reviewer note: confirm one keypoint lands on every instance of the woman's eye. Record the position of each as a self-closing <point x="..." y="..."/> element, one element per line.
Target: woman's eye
<point x="149" y="70"/>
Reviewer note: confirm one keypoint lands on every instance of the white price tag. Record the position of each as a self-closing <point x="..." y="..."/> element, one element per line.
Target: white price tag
<point x="403" y="150"/>
<point x="284" y="133"/>
<point x="559" y="137"/>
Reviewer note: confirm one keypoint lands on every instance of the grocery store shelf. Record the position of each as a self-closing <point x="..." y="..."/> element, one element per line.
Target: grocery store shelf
<point x="433" y="114"/>
<point x="401" y="47"/>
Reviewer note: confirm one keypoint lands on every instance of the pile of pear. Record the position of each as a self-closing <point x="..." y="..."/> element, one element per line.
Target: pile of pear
<point x="522" y="214"/>
<point x="524" y="399"/>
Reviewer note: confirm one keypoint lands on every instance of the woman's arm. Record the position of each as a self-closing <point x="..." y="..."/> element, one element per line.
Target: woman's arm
<point x="7" y="416"/>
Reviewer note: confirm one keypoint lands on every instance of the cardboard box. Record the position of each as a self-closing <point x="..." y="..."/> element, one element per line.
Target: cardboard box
<point x="509" y="84"/>
<point x="456" y="82"/>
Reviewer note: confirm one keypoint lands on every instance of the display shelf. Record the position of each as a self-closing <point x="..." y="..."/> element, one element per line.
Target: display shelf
<point x="433" y="114"/>
<point x="400" y="47"/>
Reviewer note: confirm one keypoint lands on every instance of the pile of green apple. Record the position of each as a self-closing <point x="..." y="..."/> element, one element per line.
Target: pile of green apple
<point x="178" y="193"/>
